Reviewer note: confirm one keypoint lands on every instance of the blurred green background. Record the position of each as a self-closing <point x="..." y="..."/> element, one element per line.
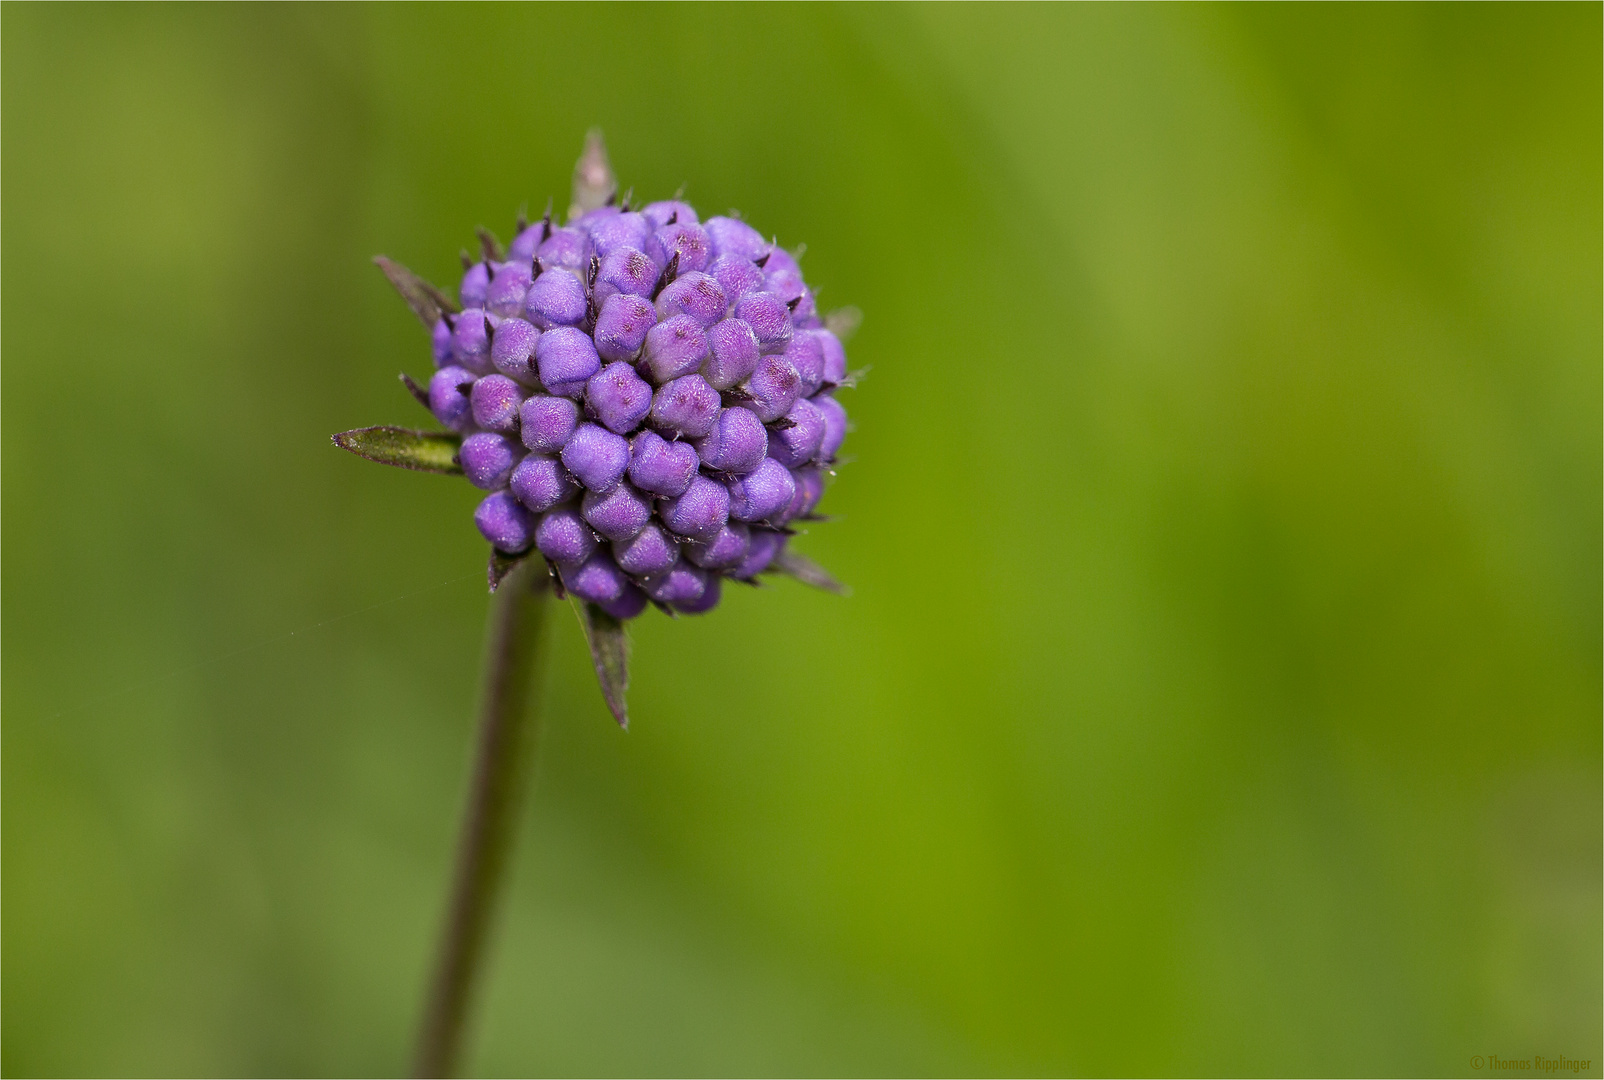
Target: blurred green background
<point x="1220" y="692"/>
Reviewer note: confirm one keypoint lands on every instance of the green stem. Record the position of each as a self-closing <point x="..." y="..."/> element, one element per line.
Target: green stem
<point x="506" y="735"/>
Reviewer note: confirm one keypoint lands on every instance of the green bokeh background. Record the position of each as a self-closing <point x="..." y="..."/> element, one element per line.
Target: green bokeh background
<point x="1220" y="691"/>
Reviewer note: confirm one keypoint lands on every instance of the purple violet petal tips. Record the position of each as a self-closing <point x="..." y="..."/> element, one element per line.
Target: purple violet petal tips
<point x="773" y="388"/>
<point x="760" y="553"/>
<point x="623" y="325"/>
<point x="470" y="345"/>
<point x="731" y="236"/>
<point x="564" y="537"/>
<point x="618" y="513"/>
<point x="566" y="359"/>
<point x="658" y="214"/>
<point x="709" y="599"/>
<point x="475" y="286"/>
<point x="597" y="579"/>
<point x="547" y="423"/>
<point x="511" y="347"/>
<point x="563" y="249"/>
<point x="769" y="318"/>
<point x="541" y="482"/>
<point x="733" y="354"/>
<point x="627" y="606"/>
<point x="620" y="398"/>
<point x="736" y="276"/>
<point x="736" y="444"/>
<point x="682" y="584"/>
<point x="650" y="551"/>
<point x="555" y="299"/>
<point x="798" y="444"/>
<point x="686" y="406"/>
<point x="674" y="347"/>
<point x="721" y="552"/>
<point x="697" y="295"/>
<point x="448" y="397"/>
<point x="762" y="494"/>
<point x="506" y="294"/>
<point x="596" y="456"/>
<point x="659" y="466"/>
<point x="505" y="523"/>
<point x="487" y="459"/>
<point x="496" y="400"/>
<point x="440" y="340"/>
<point x="835" y="426"/>
<point x="700" y="512"/>
<point x="687" y="239"/>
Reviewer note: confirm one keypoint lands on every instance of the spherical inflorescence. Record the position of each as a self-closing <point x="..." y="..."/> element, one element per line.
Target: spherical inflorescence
<point x="648" y="399"/>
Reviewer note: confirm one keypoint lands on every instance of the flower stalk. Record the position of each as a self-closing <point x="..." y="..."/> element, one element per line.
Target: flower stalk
<point x="501" y="769"/>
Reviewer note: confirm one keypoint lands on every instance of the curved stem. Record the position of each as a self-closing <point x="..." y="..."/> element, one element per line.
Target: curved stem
<point x="506" y="734"/>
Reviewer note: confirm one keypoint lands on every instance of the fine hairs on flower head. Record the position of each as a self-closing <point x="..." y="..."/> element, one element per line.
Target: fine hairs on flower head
<point x="647" y="397"/>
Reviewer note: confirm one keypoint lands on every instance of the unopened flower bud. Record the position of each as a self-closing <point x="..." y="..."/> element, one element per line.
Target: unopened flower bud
<point x="650" y="551"/>
<point x="687" y="406"/>
<point x="449" y="400"/>
<point x="496" y="400"/>
<point x="566" y="359"/>
<point x="674" y="347"/>
<point x="835" y="426"/>
<point x="487" y="459"/>
<point x="763" y="493"/>
<point x="731" y="236"/>
<point x="769" y="318"/>
<point x="618" y="513"/>
<point x="733" y="354"/>
<point x="564" y="537"/>
<point x="555" y="299"/>
<point x="547" y="423"/>
<point x="541" y="482"/>
<point x="694" y="294"/>
<point x="700" y="512"/>
<point x="773" y="388"/>
<point x="736" y="444"/>
<point x="596" y="456"/>
<point x="725" y="550"/>
<point x="505" y="523"/>
<point x="798" y="444"/>
<point x="623" y="325"/>
<point x="659" y="466"/>
<point x="512" y="348"/>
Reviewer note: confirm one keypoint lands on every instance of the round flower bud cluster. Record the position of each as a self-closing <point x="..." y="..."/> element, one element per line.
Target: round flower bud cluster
<point x="647" y="397"/>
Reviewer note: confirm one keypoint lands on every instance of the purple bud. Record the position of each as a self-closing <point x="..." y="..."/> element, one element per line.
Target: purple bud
<point x="734" y="354"/>
<point x="620" y="398"/>
<point x="687" y="405"/>
<point x="564" y="248"/>
<point x="541" y="482"/>
<point x="764" y="493"/>
<point x="627" y="270"/>
<point x="613" y="232"/>
<point x="563" y="536"/>
<point x="547" y="423"/>
<point x="618" y="513"/>
<point x="505" y="523"/>
<point x="697" y="295"/>
<point x="622" y="325"/>
<point x="674" y="347"/>
<point x="511" y="346"/>
<point x="798" y="444"/>
<point x="736" y="276"/>
<point x="596" y="456"/>
<point x="773" y="387"/>
<point x="759" y="553"/>
<point x="682" y="584"/>
<point x="496" y="399"/>
<point x="659" y="466"/>
<point x="731" y="236"/>
<point x="507" y="289"/>
<point x="835" y="357"/>
<point x="597" y="579"/>
<point x="809" y="489"/>
<point x="487" y="459"/>
<point x="555" y="299"/>
<point x="658" y="213"/>
<point x="769" y="317"/>
<point x="627" y="606"/>
<point x="447" y="401"/>
<point x="441" y="341"/>
<point x="475" y="284"/>
<point x="566" y="359"/>
<point x="806" y="354"/>
<point x="650" y="551"/>
<point x="736" y="443"/>
<point x="835" y="426"/>
<point x="724" y="550"/>
<point x="700" y="512"/>
<point x="523" y="246"/>
<point x="689" y="240"/>
<point x="470" y="347"/>
<point x="704" y="603"/>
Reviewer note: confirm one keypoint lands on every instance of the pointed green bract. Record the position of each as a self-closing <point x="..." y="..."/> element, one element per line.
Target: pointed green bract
<point x="427" y="302"/>
<point x="419" y="394"/>
<point x="808" y="572"/>
<point x="423" y="451"/>
<point x="500" y="566"/>
<point x="609" y="651"/>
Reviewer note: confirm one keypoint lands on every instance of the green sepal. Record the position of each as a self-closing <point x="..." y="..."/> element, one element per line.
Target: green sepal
<point x="609" y="652"/>
<point x="419" y="394"/>
<point x="501" y="565"/>
<point x="808" y="572"/>
<point x="427" y="302"/>
<point x="423" y="451"/>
